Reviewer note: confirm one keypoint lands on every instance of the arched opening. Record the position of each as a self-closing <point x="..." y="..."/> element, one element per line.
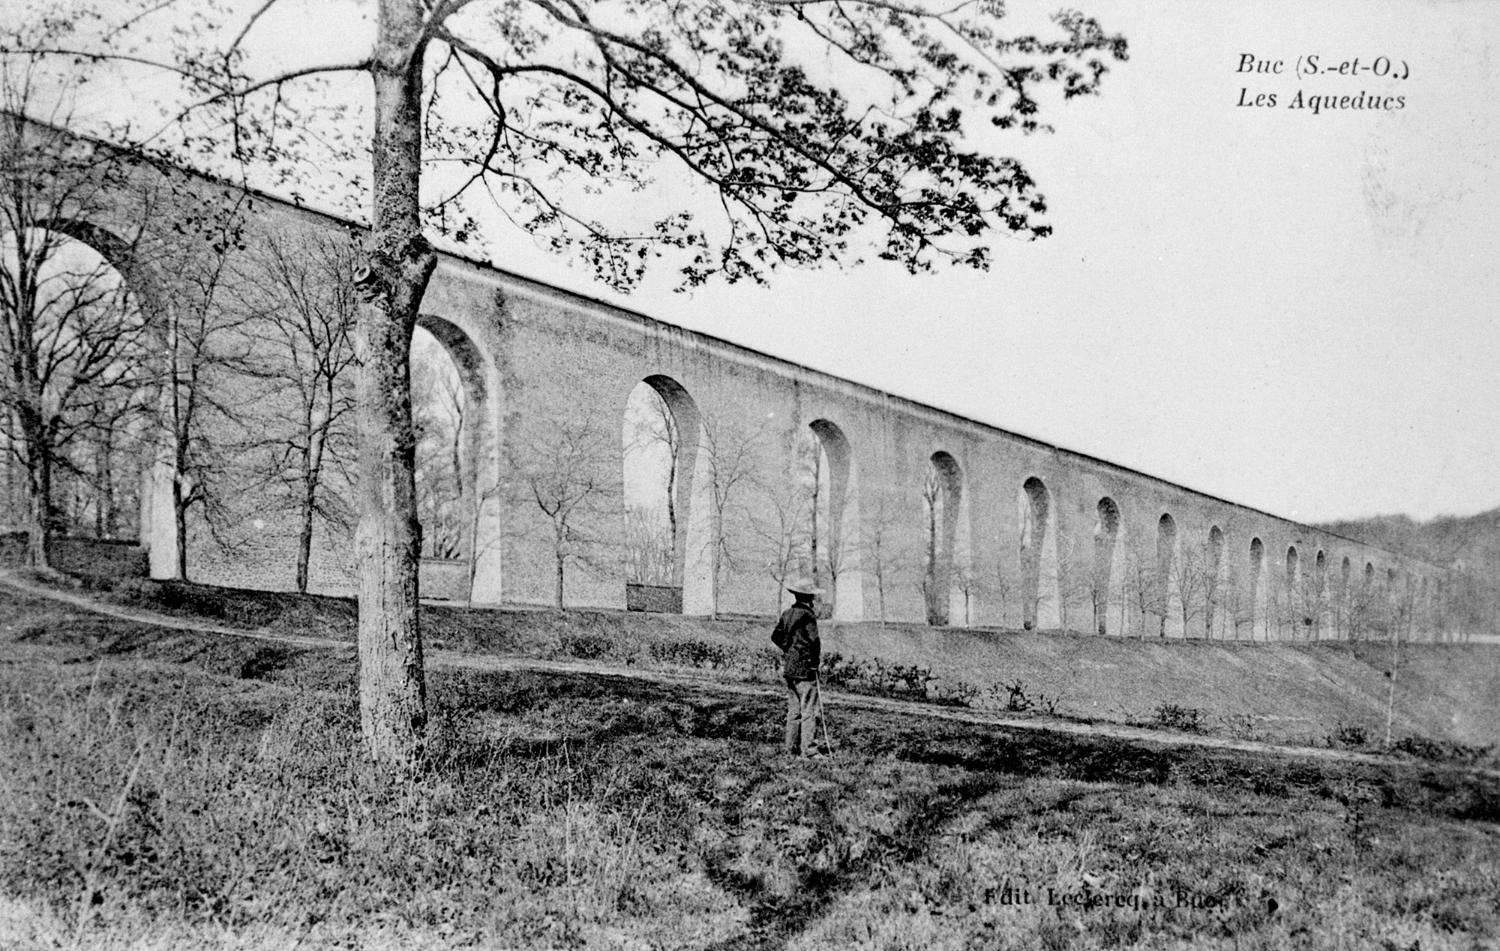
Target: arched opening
<point x="1106" y="545"/>
<point x="1342" y="608"/>
<point x="1166" y="603"/>
<point x="666" y="560"/>
<point x="942" y="498"/>
<point x="833" y="516"/>
<point x="1215" y="585"/>
<point x="456" y="472"/>
<point x="1040" y="605"/>
<point x="1396" y="602"/>
<point x="1257" y="591"/>
<point x="1317" y="608"/>
<point x="84" y="360"/>
<point x="1291" y="608"/>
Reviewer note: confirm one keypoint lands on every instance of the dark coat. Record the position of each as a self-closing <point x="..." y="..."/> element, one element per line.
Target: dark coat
<point x="797" y="634"/>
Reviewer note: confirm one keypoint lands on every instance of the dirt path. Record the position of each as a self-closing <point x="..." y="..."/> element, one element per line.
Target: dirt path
<point x="507" y="663"/>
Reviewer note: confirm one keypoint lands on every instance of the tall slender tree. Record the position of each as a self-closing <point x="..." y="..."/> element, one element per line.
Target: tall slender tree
<point x="306" y="290"/>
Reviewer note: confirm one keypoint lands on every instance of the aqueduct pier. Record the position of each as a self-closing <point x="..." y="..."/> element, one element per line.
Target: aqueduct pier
<point x="927" y="515"/>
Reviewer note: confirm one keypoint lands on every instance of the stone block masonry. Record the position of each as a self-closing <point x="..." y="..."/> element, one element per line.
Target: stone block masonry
<point x="923" y="515"/>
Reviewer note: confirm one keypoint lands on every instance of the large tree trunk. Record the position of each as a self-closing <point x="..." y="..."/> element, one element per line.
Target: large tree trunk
<point x="392" y="691"/>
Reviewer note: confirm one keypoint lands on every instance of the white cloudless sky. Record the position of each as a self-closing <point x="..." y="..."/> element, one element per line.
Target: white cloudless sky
<point x="1292" y="311"/>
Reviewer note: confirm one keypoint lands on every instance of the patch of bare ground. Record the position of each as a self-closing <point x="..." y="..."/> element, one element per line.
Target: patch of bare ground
<point x="165" y="788"/>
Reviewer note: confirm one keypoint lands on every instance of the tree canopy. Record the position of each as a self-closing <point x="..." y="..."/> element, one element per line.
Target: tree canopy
<point x="814" y="130"/>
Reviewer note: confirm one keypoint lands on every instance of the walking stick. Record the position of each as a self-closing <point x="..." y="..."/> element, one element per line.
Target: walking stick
<point x="823" y="713"/>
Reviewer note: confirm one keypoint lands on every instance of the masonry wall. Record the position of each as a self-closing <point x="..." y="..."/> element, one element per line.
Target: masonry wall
<point x="1025" y="539"/>
<point x="560" y="360"/>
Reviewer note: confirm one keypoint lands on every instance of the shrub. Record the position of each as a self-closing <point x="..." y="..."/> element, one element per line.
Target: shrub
<point x="1348" y="735"/>
<point x="903" y="679"/>
<point x="958" y="693"/>
<point x="1441" y="751"/>
<point x="1013" y="698"/>
<point x="850" y="674"/>
<point x="1170" y="716"/>
<point x="694" y="654"/>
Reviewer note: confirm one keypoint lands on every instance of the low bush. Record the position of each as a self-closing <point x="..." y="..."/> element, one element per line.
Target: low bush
<point x="1348" y="735"/>
<point x="956" y="693"/>
<point x="1170" y="716"/>
<point x="1443" y="751"/>
<point x="587" y="646"/>
<point x="696" y="654"/>
<point x="1014" y="698"/>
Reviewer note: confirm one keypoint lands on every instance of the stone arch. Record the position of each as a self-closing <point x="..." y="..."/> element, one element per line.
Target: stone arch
<point x="1166" y="597"/>
<point x="465" y="563"/>
<point x="1041" y="607"/>
<point x="945" y="554"/>
<point x="668" y="427"/>
<point x="1106" y="551"/>
<point x="834" y="546"/>
<point x="1215" y="583"/>
<point x="1318" y="608"/>
<point x="1343" y="606"/>
<point x="1257" y="591"/>
<point x="94" y="496"/>
<point x="1292" y="613"/>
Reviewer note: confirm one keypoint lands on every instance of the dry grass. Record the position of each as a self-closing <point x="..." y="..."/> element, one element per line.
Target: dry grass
<point x="1285" y="692"/>
<point x="171" y="790"/>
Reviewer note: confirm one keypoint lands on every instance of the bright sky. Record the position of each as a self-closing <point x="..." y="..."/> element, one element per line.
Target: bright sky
<point x="1289" y="310"/>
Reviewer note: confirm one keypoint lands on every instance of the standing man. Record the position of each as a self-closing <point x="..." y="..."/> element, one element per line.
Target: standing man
<point x="796" y="635"/>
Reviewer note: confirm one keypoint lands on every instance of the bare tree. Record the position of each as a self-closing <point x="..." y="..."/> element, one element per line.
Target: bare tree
<point x="562" y="470"/>
<point x="97" y="477"/>
<point x="884" y="553"/>
<point x="1001" y="585"/>
<point x="648" y="552"/>
<point x="203" y="346"/>
<point x="440" y="417"/>
<point x="309" y="285"/>
<point x="970" y="584"/>
<point x="780" y="523"/>
<point x="72" y="341"/>
<point x="730" y="455"/>
<point x="934" y="583"/>
<point x="1189" y="576"/>
<point x="1147" y="592"/>
<point x="1075" y="579"/>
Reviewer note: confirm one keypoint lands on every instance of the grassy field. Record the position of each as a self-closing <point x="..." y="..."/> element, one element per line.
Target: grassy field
<point x="165" y="789"/>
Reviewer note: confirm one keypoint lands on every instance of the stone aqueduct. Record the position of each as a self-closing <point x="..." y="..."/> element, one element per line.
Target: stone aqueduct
<point x="1026" y="533"/>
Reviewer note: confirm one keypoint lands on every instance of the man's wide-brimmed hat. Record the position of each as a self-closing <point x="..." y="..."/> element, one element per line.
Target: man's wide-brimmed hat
<point x="803" y="586"/>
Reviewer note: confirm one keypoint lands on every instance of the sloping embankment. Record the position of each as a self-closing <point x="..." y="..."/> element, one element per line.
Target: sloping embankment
<point x="1297" y="692"/>
<point x="1288" y="691"/>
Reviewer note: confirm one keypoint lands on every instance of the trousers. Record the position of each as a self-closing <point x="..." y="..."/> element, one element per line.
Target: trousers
<point x="803" y="708"/>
